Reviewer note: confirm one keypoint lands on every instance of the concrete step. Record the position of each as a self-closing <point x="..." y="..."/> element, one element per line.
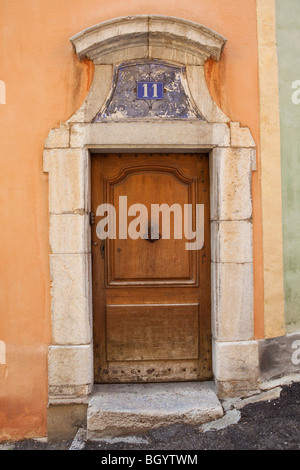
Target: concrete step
<point x="131" y="409"/>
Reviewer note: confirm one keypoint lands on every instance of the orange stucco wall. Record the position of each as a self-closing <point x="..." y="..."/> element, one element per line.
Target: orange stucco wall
<point x="45" y="84"/>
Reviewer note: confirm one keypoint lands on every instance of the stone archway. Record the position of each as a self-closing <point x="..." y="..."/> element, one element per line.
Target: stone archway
<point x="67" y="161"/>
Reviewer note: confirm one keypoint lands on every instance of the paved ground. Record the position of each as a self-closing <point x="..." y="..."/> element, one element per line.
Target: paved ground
<point x="267" y="425"/>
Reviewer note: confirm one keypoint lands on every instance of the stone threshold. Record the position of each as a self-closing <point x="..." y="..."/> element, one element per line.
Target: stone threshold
<point x="116" y="410"/>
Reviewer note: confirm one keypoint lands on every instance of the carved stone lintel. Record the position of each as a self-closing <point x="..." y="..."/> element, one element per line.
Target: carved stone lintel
<point x="148" y="36"/>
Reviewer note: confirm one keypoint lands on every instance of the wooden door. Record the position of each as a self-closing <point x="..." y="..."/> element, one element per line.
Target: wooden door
<point x="151" y="296"/>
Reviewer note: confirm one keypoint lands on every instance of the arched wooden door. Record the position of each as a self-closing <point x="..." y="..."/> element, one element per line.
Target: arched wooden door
<point x="151" y="295"/>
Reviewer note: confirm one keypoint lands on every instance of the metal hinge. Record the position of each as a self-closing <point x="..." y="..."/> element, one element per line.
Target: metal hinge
<point x="92" y="218"/>
<point x="102" y="249"/>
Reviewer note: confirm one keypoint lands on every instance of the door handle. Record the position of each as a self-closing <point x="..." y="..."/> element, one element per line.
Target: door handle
<point x="153" y="239"/>
<point x="152" y="236"/>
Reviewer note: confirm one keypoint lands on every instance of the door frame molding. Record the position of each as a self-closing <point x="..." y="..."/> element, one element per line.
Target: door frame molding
<point x="232" y="158"/>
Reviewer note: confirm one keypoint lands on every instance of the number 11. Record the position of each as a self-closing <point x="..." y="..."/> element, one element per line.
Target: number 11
<point x="154" y="88"/>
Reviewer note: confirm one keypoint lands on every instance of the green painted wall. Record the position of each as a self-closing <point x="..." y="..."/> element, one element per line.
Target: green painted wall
<point x="288" y="43"/>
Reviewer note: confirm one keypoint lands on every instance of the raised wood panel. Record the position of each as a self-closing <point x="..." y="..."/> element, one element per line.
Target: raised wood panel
<point x="146" y="332"/>
<point x="140" y="262"/>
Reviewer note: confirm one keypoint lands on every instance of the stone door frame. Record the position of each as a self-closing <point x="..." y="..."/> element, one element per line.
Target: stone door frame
<point x="232" y="158"/>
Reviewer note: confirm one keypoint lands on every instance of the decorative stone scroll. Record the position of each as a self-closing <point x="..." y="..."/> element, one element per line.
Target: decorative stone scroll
<point x="173" y="101"/>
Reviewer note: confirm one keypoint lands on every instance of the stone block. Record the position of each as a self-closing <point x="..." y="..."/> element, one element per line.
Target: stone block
<point x="69" y="233"/>
<point x="98" y="41"/>
<point x="68" y="393"/>
<point x="110" y="39"/>
<point x="232" y="241"/>
<point x="68" y="171"/>
<point x="70" y="305"/>
<point x="152" y="135"/>
<point x="70" y="365"/>
<point x="58" y="138"/>
<point x="230" y="177"/>
<point x="236" y="367"/>
<point x="180" y="34"/>
<point x="123" y="410"/>
<point x="232" y="301"/>
<point x="240" y="136"/>
<point x="63" y="421"/>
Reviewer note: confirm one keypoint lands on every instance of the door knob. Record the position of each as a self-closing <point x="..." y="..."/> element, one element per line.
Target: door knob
<point x="153" y="235"/>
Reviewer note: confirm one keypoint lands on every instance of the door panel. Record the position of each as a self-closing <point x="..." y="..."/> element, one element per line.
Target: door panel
<point x="151" y="296"/>
<point x="134" y="261"/>
<point x="142" y="332"/>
